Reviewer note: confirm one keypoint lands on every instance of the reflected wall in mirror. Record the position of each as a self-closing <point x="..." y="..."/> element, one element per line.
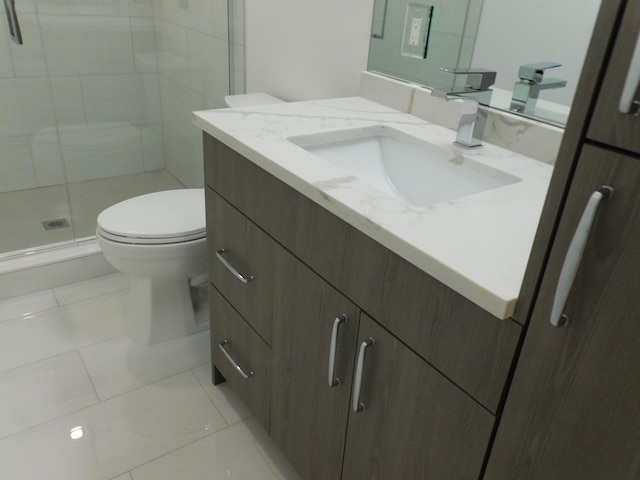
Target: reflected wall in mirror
<point x="501" y="35"/>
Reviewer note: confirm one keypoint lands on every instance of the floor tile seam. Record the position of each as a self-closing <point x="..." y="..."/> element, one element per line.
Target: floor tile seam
<point x="43" y="359"/>
<point x="222" y="429"/>
<point x="74" y="412"/>
<point x="204" y="388"/>
<point x="23" y="315"/>
<point x="172" y="374"/>
<point x="58" y="300"/>
<point x="93" y="386"/>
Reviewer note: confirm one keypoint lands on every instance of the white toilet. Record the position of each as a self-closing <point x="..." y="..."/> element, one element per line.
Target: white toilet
<point x="159" y="241"/>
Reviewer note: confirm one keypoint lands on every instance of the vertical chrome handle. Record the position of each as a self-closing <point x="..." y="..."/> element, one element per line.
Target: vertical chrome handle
<point x="574" y="255"/>
<point x="236" y="273"/>
<point x="235" y="364"/>
<point x="356" y="405"/>
<point x="630" y="98"/>
<point x="12" y="20"/>
<point x="333" y="381"/>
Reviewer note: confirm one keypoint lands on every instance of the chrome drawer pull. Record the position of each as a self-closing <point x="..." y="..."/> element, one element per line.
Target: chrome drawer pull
<point x="236" y="273"/>
<point x="235" y="364"/>
<point x="574" y="256"/>
<point x="357" y="382"/>
<point x="334" y="382"/>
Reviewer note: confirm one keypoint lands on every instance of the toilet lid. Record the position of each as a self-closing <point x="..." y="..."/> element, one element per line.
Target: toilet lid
<point x="171" y="216"/>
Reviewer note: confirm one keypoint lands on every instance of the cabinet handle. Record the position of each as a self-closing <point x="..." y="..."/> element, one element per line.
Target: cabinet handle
<point x="235" y="364"/>
<point x="236" y="273"/>
<point x="357" y="406"/>
<point x="333" y="381"/>
<point x="574" y="255"/>
<point x="630" y="98"/>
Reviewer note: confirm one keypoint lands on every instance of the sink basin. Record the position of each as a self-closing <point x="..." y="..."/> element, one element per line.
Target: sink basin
<point x="405" y="167"/>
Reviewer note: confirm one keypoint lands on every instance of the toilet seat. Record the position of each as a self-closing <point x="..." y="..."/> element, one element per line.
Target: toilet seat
<point x="170" y="216"/>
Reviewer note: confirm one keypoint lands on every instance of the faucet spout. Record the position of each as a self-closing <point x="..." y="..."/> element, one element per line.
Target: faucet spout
<point x="473" y="119"/>
<point x="530" y="84"/>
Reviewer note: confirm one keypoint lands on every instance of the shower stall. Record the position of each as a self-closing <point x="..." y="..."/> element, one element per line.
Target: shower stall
<point x="95" y="107"/>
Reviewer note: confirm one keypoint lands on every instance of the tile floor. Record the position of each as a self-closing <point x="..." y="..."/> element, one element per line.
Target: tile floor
<point x="79" y="400"/>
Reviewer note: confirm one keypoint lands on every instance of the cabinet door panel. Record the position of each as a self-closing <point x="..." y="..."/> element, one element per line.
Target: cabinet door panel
<point x="416" y="423"/>
<point x="308" y="417"/>
<point x="608" y="124"/>
<point x="572" y="411"/>
<point x="247" y="349"/>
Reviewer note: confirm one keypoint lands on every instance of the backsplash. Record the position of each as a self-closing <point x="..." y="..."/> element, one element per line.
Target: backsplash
<point x="515" y="133"/>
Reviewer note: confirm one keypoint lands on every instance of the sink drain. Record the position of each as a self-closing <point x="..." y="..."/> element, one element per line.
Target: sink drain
<point x="55" y="224"/>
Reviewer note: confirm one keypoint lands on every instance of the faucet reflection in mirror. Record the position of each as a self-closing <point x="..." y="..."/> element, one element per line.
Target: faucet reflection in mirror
<point x="527" y="89"/>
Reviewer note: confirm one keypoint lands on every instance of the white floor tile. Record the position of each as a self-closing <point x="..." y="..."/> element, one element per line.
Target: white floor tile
<point x="27" y="305"/>
<point x="42" y="391"/>
<point x="117" y="435"/>
<point x="230" y="405"/>
<point x="126" y="476"/>
<point x="97" y="287"/>
<point x="242" y="451"/>
<point x="119" y="365"/>
<point x="27" y="340"/>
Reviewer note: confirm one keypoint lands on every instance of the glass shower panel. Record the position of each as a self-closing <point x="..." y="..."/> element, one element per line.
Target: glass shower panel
<point x="34" y="210"/>
<point x="96" y="108"/>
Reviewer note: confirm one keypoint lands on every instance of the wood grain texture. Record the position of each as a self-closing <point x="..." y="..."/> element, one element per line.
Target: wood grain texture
<point x="308" y="417"/>
<point x="572" y="411"/>
<point x="248" y="349"/>
<point x="462" y="340"/>
<point x="583" y="104"/>
<point x="608" y="124"/>
<point x="416" y="424"/>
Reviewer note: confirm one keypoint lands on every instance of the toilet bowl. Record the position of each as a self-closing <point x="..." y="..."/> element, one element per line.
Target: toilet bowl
<point x="159" y="241"/>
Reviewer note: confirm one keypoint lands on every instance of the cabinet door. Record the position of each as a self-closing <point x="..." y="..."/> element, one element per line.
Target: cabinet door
<point x="573" y="409"/>
<point x="416" y="424"/>
<point x="308" y="416"/>
<point x="608" y="124"/>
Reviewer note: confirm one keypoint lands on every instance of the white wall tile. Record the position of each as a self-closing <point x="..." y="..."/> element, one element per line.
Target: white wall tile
<point x="68" y="102"/>
<point x="208" y="66"/>
<point x="129" y="98"/>
<point x="144" y="44"/>
<point x="173" y="53"/>
<point x="102" y="152"/>
<point x="153" y="148"/>
<point x="47" y="161"/>
<point x="26" y="106"/>
<point x="6" y="62"/>
<point x="28" y="58"/>
<point x="16" y="167"/>
<point x="86" y="45"/>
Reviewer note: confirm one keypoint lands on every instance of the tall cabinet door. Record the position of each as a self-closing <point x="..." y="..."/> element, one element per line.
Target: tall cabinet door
<point x="573" y="410"/>
<point x="308" y="415"/>
<point x="621" y="88"/>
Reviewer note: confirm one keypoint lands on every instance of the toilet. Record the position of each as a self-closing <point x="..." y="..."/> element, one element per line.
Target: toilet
<point x="159" y="241"/>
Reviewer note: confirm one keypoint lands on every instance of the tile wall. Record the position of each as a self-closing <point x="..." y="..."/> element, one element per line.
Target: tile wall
<point x="107" y="73"/>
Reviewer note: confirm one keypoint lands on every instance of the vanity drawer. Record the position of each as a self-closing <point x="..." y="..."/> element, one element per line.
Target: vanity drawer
<point x="243" y="263"/>
<point x="238" y="352"/>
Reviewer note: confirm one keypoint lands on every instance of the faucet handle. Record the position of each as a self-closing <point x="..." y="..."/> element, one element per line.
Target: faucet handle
<point x="533" y="72"/>
<point x="479" y="79"/>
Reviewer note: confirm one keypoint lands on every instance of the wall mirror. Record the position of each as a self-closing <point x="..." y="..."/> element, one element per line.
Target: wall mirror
<point x="537" y="47"/>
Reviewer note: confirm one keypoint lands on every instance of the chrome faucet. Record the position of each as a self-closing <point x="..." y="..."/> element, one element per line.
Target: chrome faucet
<point x="527" y="89"/>
<point x="473" y="119"/>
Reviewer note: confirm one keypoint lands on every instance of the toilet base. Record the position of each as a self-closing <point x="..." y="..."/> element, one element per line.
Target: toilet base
<point x="160" y="310"/>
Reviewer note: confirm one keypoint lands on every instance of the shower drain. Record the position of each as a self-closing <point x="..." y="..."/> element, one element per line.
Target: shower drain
<point x="55" y="224"/>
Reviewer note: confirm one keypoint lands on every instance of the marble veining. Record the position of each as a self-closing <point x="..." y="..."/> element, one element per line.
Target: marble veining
<point x="477" y="245"/>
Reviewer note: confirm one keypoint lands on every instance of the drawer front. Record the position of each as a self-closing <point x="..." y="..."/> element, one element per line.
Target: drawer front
<point x="243" y="263"/>
<point x="238" y="352"/>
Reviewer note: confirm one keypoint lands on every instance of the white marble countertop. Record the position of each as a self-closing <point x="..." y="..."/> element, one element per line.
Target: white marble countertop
<point x="477" y="245"/>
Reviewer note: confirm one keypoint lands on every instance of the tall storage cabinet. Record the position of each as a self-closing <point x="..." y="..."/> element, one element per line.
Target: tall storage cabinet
<point x="572" y="409"/>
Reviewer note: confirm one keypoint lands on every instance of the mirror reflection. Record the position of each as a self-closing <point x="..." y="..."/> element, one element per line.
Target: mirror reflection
<point x="537" y="47"/>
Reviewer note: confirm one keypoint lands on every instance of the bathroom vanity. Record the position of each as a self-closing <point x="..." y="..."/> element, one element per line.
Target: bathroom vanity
<point x="364" y="338"/>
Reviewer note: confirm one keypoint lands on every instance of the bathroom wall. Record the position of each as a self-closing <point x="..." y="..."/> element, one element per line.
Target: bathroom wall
<point x="192" y="42"/>
<point x="307" y="49"/>
<point x="104" y="93"/>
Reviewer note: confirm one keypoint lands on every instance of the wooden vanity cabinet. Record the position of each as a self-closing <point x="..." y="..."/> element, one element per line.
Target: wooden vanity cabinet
<point x="433" y="379"/>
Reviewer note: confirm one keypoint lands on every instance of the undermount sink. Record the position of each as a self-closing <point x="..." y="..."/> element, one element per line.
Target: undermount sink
<point x="403" y="166"/>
